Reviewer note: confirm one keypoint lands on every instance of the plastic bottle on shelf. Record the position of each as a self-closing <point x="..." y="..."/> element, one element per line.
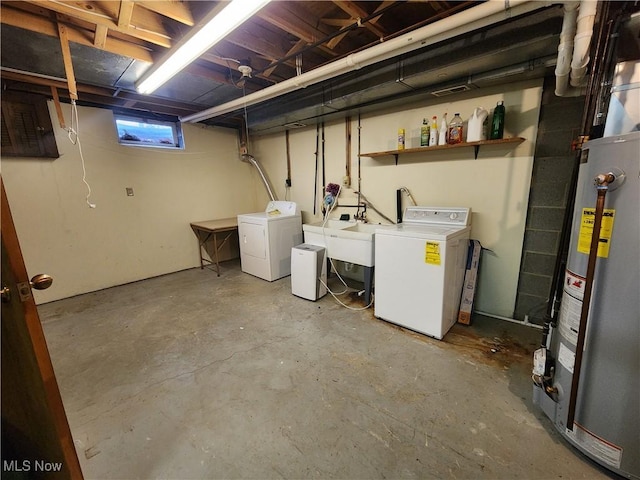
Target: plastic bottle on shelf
<point x="433" y="134"/>
<point x="456" y="134"/>
<point x="401" y="139"/>
<point x="424" y="133"/>
<point x="443" y="134"/>
<point x="497" y="125"/>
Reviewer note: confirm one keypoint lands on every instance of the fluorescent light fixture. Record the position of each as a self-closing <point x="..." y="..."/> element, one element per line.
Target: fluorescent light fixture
<point x="199" y="41"/>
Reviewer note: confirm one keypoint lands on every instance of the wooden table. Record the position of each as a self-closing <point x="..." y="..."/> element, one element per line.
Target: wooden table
<point x="211" y="229"/>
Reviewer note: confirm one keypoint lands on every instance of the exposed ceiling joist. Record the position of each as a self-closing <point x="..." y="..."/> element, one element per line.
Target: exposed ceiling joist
<point x="175" y="10"/>
<point x="287" y="37"/>
<point x="118" y="98"/>
<point x="68" y="64"/>
<point x="143" y="24"/>
<point x="125" y="13"/>
<point x="295" y="23"/>
<point x="38" y="24"/>
<point x="357" y="12"/>
<point x="100" y="39"/>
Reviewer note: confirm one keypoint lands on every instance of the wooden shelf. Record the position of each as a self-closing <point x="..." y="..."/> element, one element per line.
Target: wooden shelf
<point x="476" y="146"/>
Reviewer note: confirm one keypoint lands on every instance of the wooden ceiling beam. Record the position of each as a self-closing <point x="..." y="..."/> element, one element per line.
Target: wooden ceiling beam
<point x="300" y="44"/>
<point x="125" y="14"/>
<point x="100" y="37"/>
<point x="142" y="26"/>
<point x="68" y="65"/>
<point x="382" y="6"/>
<point x="294" y="23"/>
<point x="358" y="13"/>
<point x="337" y="22"/>
<point x="38" y="24"/>
<point x="333" y="43"/>
<point x="263" y="42"/>
<point x="176" y="10"/>
<point x="95" y="92"/>
<point x="48" y="82"/>
<point x="229" y="50"/>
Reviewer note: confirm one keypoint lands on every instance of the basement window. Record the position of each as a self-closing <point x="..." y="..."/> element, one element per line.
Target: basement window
<point x="148" y="132"/>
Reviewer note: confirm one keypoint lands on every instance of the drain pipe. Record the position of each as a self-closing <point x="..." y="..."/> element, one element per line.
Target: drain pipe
<point x="480" y="16"/>
<point x="586" y="19"/>
<point x="245" y="157"/>
<point x="565" y="48"/>
<point x="573" y="50"/>
<point x="602" y="182"/>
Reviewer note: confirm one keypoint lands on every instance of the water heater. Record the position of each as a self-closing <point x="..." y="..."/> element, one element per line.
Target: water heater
<point x="587" y="379"/>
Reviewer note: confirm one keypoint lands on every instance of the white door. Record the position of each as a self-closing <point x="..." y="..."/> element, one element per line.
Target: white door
<point x="253" y="240"/>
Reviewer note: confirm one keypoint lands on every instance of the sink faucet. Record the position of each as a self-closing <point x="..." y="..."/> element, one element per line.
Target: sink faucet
<point x="361" y="216"/>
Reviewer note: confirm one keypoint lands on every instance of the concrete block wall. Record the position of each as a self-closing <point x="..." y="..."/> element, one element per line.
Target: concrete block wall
<point x="559" y="125"/>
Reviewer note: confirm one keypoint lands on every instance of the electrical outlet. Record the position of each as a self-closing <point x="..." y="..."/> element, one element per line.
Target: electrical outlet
<point x="287" y="182"/>
<point x="129" y="191"/>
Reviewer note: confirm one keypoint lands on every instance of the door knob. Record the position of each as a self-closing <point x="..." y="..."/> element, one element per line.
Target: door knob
<point x="42" y="281"/>
<point x="6" y="294"/>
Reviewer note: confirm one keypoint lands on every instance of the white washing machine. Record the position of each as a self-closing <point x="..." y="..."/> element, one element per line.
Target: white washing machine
<point x="266" y="239"/>
<point x="420" y="266"/>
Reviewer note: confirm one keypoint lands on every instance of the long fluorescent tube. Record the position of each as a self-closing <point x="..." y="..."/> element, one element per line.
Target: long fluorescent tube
<point x="199" y="41"/>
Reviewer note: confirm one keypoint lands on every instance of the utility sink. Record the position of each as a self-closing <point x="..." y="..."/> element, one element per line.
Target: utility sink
<point x="351" y="242"/>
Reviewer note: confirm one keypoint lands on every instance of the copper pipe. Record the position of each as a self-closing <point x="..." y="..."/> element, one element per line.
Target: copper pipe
<point x="602" y="181"/>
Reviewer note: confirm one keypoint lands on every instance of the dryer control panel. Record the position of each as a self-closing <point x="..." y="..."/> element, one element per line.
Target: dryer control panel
<point x="281" y="207"/>
<point x="460" y="216"/>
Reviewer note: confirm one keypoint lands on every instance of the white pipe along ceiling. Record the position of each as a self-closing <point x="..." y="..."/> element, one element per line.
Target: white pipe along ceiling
<point x="481" y="16"/>
<point x="573" y="50"/>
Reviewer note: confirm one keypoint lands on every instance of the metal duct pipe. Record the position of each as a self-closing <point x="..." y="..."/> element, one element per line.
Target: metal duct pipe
<point x="245" y="157"/>
<point x="480" y="16"/>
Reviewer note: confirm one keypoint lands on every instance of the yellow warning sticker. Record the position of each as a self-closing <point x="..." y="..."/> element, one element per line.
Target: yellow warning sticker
<point x="586" y="231"/>
<point x="432" y="253"/>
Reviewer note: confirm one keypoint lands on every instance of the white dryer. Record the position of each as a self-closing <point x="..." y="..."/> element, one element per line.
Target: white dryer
<point x="420" y="266"/>
<point x="266" y="239"/>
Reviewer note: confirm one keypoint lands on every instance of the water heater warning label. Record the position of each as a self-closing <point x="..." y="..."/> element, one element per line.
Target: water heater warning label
<point x="571" y="307"/>
<point x="605" y="451"/>
<point x="432" y="253"/>
<point x="586" y="231"/>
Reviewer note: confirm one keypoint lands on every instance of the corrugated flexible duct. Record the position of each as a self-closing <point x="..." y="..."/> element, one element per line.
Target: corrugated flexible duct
<point x="267" y="185"/>
<point x="481" y="16"/>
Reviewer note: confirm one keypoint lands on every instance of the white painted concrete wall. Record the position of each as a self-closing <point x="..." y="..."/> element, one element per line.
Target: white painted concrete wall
<point x="131" y="238"/>
<point x="124" y="238"/>
<point x="495" y="186"/>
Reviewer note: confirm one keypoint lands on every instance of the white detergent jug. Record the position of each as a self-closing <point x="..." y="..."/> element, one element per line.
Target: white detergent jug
<point x="475" y="128"/>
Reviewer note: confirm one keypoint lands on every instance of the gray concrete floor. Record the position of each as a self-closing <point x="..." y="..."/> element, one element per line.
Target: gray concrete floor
<point x="193" y="376"/>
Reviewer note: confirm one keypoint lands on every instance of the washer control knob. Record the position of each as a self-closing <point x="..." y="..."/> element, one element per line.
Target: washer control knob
<point x="453" y="215"/>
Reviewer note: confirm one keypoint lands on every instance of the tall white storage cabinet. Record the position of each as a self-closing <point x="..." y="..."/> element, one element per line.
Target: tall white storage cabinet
<point x="266" y="239"/>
